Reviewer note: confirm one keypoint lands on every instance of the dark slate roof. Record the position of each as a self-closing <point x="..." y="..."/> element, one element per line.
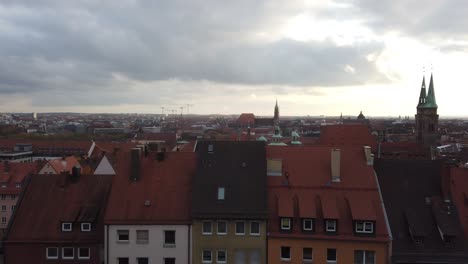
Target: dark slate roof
<point x="239" y="167"/>
<point x="412" y="194"/>
<point x="50" y="200"/>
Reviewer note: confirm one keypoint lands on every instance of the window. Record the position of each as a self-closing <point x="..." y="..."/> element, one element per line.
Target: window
<point x="3" y="220"/>
<point x="4" y="186"/>
<point x="142" y="236"/>
<point x="13" y="197"/>
<point x="206" y="256"/>
<point x="13" y="207"/>
<point x="68" y="253"/>
<point x="285" y="253"/>
<point x="206" y="228"/>
<point x="83" y="253"/>
<point x="18" y="185"/>
<point x="307" y="254"/>
<point x="240" y="228"/>
<point x="220" y="193"/>
<point x="210" y="148"/>
<point x="67" y="227"/>
<point x="85" y="227"/>
<point x="308" y="224"/>
<point x="3" y="208"/>
<point x="222" y="228"/>
<point x="285" y="223"/>
<point x="364" y="227"/>
<point x="52" y="253"/>
<point x="169" y="260"/>
<point x="169" y="238"/>
<point x="3" y="195"/>
<point x="330" y="225"/>
<point x="255" y="228"/>
<point x="123" y="260"/>
<point x="274" y="167"/>
<point x="221" y="256"/>
<point x="331" y="255"/>
<point x="142" y="260"/>
<point x="364" y="257"/>
<point x="122" y="235"/>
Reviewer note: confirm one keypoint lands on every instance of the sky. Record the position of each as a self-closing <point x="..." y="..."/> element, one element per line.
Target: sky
<point x="229" y="57"/>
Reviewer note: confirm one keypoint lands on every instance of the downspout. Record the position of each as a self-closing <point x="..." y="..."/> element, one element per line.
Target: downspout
<point x="189" y="244"/>
<point x="385" y="216"/>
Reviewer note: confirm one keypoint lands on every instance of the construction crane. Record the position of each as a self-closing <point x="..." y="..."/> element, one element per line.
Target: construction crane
<point x="188" y="107"/>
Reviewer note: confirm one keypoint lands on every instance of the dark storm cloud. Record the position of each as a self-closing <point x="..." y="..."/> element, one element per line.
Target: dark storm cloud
<point x="81" y="46"/>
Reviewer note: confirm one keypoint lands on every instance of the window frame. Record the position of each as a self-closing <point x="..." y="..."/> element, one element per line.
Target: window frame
<point x="217" y="227"/>
<point x="289" y="227"/>
<point x="119" y="231"/>
<point x="123" y="258"/>
<point x="217" y="256"/>
<point x="235" y="228"/>
<point x="85" y="257"/>
<point x="259" y="226"/>
<point x="203" y="256"/>
<point x="166" y="259"/>
<point x="169" y="244"/>
<point x="63" y="253"/>
<point x="221" y="193"/>
<point x="52" y="257"/>
<point x="138" y="238"/>
<point x="281" y="253"/>
<point x="203" y="227"/>
<point x="4" y="208"/>
<point x="84" y="229"/>
<point x="364" y="255"/>
<point x="336" y="256"/>
<point x="311" y="255"/>
<point x="327" y="226"/>
<point x="364" y="225"/>
<point x="312" y="224"/>
<point x="67" y="229"/>
<point x="142" y="258"/>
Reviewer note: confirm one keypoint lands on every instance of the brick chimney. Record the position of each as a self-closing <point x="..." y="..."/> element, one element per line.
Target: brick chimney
<point x="369" y="156"/>
<point x="336" y="165"/>
<point x="135" y="164"/>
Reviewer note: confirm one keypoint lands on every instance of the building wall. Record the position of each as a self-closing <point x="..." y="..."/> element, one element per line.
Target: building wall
<point x="344" y="250"/>
<point x="104" y="168"/>
<point x="8" y="202"/>
<point x="47" y="169"/>
<point x="36" y="253"/>
<point x="230" y="242"/>
<point x="154" y="250"/>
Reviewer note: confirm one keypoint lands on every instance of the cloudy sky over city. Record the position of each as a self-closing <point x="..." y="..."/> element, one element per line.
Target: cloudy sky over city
<point x="316" y="57"/>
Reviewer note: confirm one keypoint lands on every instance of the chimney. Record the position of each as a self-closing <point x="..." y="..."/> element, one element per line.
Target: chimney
<point x="76" y="171"/>
<point x="135" y="164"/>
<point x="335" y="165"/>
<point x="6" y="166"/>
<point x="368" y="155"/>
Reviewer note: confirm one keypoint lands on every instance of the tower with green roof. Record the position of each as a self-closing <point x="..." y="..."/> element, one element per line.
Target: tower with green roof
<point x="427" y="119"/>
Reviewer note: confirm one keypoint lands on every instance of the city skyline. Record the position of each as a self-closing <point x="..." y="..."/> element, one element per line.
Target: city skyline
<point x="315" y="57"/>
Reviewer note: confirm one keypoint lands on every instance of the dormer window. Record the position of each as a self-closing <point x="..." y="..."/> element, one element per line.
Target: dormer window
<point x="363" y="227"/>
<point x="330" y="226"/>
<point x="85" y="227"/>
<point x="67" y="227"/>
<point x="285" y="223"/>
<point x="210" y="148"/>
<point x="418" y="240"/>
<point x="308" y="224"/>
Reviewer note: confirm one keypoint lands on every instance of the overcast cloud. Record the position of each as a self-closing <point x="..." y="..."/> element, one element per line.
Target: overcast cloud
<point x="75" y="55"/>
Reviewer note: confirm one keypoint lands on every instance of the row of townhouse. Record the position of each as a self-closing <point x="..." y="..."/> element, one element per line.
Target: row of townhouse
<point x="240" y="202"/>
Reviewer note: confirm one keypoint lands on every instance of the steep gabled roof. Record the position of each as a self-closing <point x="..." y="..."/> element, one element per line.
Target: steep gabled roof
<point x="347" y="135"/>
<point x="160" y="196"/>
<point x="50" y="200"/>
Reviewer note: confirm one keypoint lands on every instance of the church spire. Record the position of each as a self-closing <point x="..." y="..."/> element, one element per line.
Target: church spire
<point x="422" y="95"/>
<point x="276" y="116"/>
<point x="430" y="99"/>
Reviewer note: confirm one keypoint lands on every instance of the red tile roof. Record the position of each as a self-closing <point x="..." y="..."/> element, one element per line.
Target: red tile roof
<point x="306" y="174"/>
<point x="48" y="201"/>
<point x="17" y="174"/>
<point x="164" y="184"/>
<point x="347" y="135"/>
<point x="63" y="164"/>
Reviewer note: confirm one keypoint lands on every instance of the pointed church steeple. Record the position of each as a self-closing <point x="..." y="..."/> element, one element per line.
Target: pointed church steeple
<point x="430" y="99"/>
<point x="276" y="116"/>
<point x="422" y="95"/>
